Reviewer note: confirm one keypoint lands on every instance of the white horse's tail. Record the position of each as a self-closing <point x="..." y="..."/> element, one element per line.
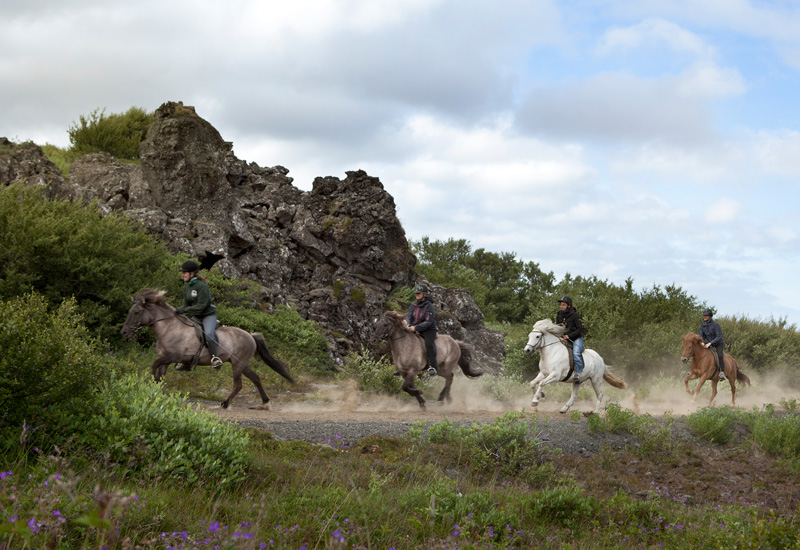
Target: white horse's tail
<point x="614" y="380"/>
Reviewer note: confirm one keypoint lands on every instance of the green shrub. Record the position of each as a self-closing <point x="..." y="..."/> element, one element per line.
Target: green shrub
<point x="117" y="134"/>
<point x="713" y="424"/>
<point x="777" y="433"/>
<point x="372" y="374"/>
<point x="63" y="158"/>
<point x="137" y="425"/>
<point x="59" y="249"/>
<point x="48" y="365"/>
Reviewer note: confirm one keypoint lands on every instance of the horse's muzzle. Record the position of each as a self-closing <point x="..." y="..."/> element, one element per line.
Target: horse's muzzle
<point x="684" y="359"/>
<point x="528" y="350"/>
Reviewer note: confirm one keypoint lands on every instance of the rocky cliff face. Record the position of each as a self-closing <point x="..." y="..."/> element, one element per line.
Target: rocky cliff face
<point x="334" y="253"/>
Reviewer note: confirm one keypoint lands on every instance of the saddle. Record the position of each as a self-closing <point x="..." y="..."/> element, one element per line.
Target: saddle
<point x="201" y="337"/>
<point x="713" y="351"/>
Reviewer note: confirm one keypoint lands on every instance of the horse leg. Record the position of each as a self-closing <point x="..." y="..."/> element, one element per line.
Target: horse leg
<point x="256" y="380"/>
<point x="701" y="381"/>
<point x="159" y="367"/>
<point x="690" y="376"/>
<point x="713" y="391"/>
<point x="539" y="393"/>
<point x="409" y="388"/>
<point x="448" y="381"/>
<point x="598" y="391"/>
<point x="237" y="386"/>
<point x="536" y="388"/>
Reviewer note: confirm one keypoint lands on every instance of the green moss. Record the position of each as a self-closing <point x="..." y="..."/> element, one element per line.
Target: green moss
<point x="358" y="296"/>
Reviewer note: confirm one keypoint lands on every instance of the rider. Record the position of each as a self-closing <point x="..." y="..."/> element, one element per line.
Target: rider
<point x="711" y="334"/>
<point x="569" y="317"/>
<point x="421" y="319"/>
<point x="197" y="303"/>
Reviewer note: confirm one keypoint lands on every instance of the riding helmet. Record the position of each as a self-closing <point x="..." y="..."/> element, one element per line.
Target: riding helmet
<point x="190" y="266"/>
<point x="421" y="288"/>
<point x="708" y="312"/>
<point x="567" y="300"/>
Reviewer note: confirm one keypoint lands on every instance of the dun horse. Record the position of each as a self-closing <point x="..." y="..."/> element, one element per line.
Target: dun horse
<point x="177" y="342"/>
<point x="704" y="367"/>
<point x="408" y="354"/>
<point x="554" y="365"/>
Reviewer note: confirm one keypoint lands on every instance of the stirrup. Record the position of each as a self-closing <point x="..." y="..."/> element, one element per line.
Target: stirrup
<point x="722" y="376"/>
<point x="432" y="371"/>
<point x="576" y="378"/>
<point x="216" y="362"/>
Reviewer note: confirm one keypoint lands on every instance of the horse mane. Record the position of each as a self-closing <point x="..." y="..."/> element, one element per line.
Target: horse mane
<point x="548" y="326"/>
<point x="397" y="318"/>
<point x="152" y="296"/>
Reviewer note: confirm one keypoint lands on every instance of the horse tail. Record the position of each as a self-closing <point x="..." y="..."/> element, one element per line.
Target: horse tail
<point x="465" y="361"/>
<point x="269" y="359"/>
<point x="614" y="380"/>
<point x="740" y="376"/>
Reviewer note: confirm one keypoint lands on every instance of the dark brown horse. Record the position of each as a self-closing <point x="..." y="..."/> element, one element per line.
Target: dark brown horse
<point x="408" y="354"/>
<point x="704" y="367"/>
<point x="177" y="342"/>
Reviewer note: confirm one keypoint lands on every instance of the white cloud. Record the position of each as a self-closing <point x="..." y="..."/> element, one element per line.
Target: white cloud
<point x="654" y="33"/>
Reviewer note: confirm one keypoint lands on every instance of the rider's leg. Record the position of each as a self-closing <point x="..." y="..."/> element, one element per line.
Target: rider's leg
<point x="721" y="354"/>
<point x="577" y="356"/>
<point x="430" y="349"/>
<point x="210" y="329"/>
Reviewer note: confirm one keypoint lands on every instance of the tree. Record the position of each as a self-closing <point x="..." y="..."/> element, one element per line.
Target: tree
<point x="116" y="134"/>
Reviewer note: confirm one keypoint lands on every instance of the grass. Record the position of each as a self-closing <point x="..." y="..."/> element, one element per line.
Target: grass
<point x="443" y="486"/>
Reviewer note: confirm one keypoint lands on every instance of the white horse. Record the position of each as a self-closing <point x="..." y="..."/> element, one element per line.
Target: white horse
<point x="554" y="364"/>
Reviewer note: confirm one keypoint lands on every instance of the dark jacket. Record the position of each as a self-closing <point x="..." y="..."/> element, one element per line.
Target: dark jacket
<point x="196" y="299"/>
<point x="711" y="333"/>
<point x="572" y="321"/>
<point x="420" y="315"/>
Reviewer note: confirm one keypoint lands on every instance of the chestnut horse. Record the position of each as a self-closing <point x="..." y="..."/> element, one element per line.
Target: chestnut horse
<point x="408" y="354"/>
<point x="704" y="367"/>
<point x="177" y="342"/>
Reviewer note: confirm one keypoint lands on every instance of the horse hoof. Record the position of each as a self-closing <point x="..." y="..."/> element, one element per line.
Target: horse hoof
<point x="563" y="411"/>
<point x="534" y="403"/>
<point x="224" y="404"/>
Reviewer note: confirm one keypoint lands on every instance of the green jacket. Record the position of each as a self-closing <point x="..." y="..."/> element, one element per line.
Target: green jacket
<point x="196" y="299"/>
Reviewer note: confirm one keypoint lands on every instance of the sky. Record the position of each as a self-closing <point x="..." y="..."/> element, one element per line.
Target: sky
<point x="657" y="140"/>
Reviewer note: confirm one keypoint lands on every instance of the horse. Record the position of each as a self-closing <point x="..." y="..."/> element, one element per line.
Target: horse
<point x="554" y="365"/>
<point x="704" y="367"/>
<point x="409" y="357"/>
<point x="177" y="342"/>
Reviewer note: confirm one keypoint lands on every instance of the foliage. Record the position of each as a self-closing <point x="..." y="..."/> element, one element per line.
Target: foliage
<point x="48" y="364"/>
<point x="63" y="158"/>
<point x="761" y="344"/>
<point x="502" y="286"/>
<point x="372" y="374"/>
<point x="509" y="444"/>
<point x="653" y="436"/>
<point x="136" y="424"/>
<point x="291" y="338"/>
<point x="116" y="134"/>
<point x="713" y="424"/>
<point x="59" y="250"/>
<point x="777" y="433"/>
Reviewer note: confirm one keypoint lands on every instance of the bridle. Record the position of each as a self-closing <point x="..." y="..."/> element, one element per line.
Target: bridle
<point x="539" y="344"/>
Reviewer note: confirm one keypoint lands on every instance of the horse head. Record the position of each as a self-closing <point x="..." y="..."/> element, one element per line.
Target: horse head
<point x="385" y="326"/>
<point x="689" y="342"/>
<point x="143" y="312"/>
<point x="536" y="336"/>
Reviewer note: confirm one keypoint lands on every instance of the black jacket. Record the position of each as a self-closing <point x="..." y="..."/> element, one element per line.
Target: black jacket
<point x="711" y="333"/>
<point x="572" y="321"/>
<point x="420" y="315"/>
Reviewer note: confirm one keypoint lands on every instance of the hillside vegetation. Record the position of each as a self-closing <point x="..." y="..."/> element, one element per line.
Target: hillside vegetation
<point x="96" y="455"/>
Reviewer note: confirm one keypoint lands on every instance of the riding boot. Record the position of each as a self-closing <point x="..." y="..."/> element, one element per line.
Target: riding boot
<point x="430" y="350"/>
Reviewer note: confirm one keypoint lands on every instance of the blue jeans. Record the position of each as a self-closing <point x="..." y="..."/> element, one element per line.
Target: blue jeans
<point x="577" y="350"/>
<point x="210" y="328"/>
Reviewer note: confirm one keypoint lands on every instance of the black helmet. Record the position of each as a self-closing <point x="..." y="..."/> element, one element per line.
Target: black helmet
<point x="708" y="312"/>
<point x="421" y="288"/>
<point x="567" y="300"/>
<point x="190" y="266"/>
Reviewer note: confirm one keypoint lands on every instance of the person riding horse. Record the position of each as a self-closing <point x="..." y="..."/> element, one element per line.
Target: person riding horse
<point x="422" y="320"/>
<point x="197" y="303"/>
<point x="711" y="333"/>
<point x="569" y="317"/>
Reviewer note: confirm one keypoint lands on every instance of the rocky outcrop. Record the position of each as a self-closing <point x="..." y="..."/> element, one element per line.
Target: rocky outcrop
<point x="334" y="253"/>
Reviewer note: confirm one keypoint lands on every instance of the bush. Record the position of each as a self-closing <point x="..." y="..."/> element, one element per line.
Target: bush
<point x="116" y="134"/>
<point x="373" y="374"/>
<point x="715" y="425"/>
<point x="137" y="425"/>
<point x="48" y="365"/>
<point x="59" y="249"/>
